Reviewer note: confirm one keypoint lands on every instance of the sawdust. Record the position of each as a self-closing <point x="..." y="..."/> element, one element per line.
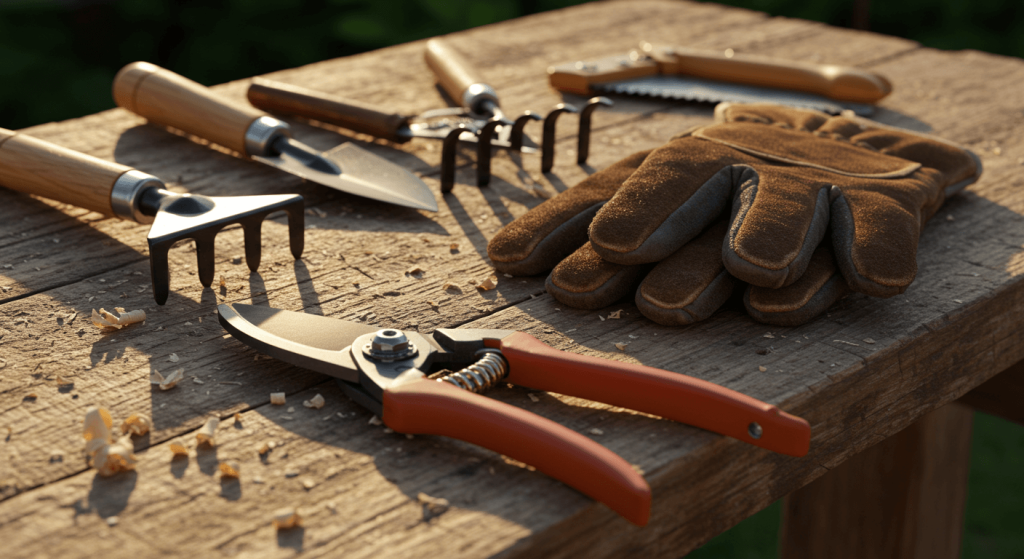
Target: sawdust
<point x="205" y="435"/>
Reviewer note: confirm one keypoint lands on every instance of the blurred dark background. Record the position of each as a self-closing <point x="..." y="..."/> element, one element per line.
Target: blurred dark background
<point x="58" y="59"/>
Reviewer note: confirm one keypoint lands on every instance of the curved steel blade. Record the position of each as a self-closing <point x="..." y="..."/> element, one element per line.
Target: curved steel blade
<point x="309" y="341"/>
<point x="354" y="170"/>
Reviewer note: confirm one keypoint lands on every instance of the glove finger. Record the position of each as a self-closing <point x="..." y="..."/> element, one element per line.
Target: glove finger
<point x="817" y="290"/>
<point x="690" y="284"/>
<point x="677" y="192"/>
<point x="875" y="232"/>
<point x="584" y="280"/>
<point x="779" y="216"/>
<point x="536" y="241"/>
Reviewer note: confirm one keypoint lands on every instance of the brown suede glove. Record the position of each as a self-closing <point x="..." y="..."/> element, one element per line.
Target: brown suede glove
<point x="786" y="172"/>
<point x="782" y="168"/>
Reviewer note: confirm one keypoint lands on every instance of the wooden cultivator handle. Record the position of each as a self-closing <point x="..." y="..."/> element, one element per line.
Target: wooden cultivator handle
<point x="176" y="101"/>
<point x="36" y="167"/>
<point x="288" y="99"/>
<point x="457" y="77"/>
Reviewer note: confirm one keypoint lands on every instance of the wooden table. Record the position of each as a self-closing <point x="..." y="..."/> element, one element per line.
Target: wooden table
<point x="860" y="374"/>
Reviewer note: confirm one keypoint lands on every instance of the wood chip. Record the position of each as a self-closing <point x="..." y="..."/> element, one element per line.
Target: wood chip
<point x="846" y="342"/>
<point x="451" y="286"/>
<point x="277" y="398"/>
<point x="105" y="319"/>
<point x="454" y="247"/>
<point x="533" y="397"/>
<point x="316" y="402"/>
<point x="173" y="358"/>
<point x="375" y="421"/>
<point x="136" y="425"/>
<point x="616" y="314"/>
<point x="238" y="418"/>
<point x="308" y="484"/>
<point x="869" y="341"/>
<point x="432" y="506"/>
<point x="286" y="518"/>
<point x="596" y="431"/>
<point x="433" y="305"/>
<point x="169" y="382"/>
<point x="488" y="283"/>
<point x="222" y="282"/>
<point x="414" y="271"/>
<point x="621" y="346"/>
<point x="265" y="448"/>
<point x="104" y="453"/>
<point x="205" y="435"/>
<point x="178" y="450"/>
<point x="762" y="368"/>
<point x="228" y="470"/>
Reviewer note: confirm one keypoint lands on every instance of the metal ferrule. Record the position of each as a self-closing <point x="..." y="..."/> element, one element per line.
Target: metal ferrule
<point x="262" y="132"/>
<point x="476" y="94"/>
<point x="127" y="194"/>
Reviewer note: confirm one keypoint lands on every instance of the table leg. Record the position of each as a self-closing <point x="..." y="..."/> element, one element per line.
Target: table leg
<point x="902" y="498"/>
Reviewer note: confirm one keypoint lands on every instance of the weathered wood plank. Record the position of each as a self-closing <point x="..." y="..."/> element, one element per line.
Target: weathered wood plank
<point x="954" y="328"/>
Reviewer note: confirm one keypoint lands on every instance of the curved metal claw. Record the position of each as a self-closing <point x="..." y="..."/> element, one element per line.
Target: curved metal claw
<point x="515" y="139"/>
<point x="448" y="147"/>
<point x="583" y="145"/>
<point x="547" y="160"/>
<point x="483" y="150"/>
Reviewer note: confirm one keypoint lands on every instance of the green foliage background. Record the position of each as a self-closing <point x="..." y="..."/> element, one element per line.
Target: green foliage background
<point x="58" y="59"/>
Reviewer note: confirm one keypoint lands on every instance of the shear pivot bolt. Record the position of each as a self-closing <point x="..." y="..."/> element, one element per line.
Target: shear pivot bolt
<point x="755" y="430"/>
<point x="389" y="345"/>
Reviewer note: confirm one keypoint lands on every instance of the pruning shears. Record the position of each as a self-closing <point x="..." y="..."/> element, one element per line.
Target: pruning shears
<point x="388" y="371"/>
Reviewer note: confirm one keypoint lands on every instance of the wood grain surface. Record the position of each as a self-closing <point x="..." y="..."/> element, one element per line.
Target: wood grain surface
<point x="863" y="372"/>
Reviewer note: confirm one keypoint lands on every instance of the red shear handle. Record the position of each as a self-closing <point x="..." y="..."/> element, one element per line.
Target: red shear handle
<point x="674" y="396"/>
<point x="436" y="408"/>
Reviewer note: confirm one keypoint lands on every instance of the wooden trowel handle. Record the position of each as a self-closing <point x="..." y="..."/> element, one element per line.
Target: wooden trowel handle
<point x="457" y="77"/>
<point x="842" y="83"/>
<point x="288" y="99"/>
<point x="176" y="101"/>
<point x="36" y="167"/>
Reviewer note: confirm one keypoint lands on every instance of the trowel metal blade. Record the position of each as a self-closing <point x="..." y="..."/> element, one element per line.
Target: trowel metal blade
<point x="693" y="89"/>
<point x="360" y="172"/>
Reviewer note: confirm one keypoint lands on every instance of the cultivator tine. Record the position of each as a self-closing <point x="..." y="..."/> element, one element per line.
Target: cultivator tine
<point x="253" y="247"/>
<point x="515" y="139"/>
<point x="547" y="159"/>
<point x="296" y="227"/>
<point x="583" y="145"/>
<point x="160" y="272"/>
<point x="451" y="143"/>
<point x="205" y="255"/>
<point x="483" y="151"/>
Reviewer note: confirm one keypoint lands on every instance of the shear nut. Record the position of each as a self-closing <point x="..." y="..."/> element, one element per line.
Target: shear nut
<point x="389" y="344"/>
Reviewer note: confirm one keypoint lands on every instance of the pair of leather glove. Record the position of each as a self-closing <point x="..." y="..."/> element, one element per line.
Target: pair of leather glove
<point x="801" y="206"/>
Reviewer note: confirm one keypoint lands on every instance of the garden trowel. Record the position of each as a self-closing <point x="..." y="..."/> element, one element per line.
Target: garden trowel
<point x="172" y="100"/>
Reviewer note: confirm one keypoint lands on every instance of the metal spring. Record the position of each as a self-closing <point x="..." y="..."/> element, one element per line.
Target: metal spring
<point x="488" y="371"/>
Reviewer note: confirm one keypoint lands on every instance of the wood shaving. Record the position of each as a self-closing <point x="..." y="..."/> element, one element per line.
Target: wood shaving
<point x="414" y="271"/>
<point x="621" y="346"/>
<point x="104" y="453"/>
<point x="308" y="484"/>
<point x="869" y="341"/>
<point x="432" y="506"/>
<point x="173" y="358"/>
<point x="291" y="409"/>
<point x="533" y="397"/>
<point x="228" y="470"/>
<point x="169" y="382"/>
<point x="205" y="435"/>
<point x="277" y="398"/>
<point x="316" y="402"/>
<point x="616" y="314"/>
<point x="178" y="450"/>
<point x="449" y="285"/>
<point x="105" y="319"/>
<point x="61" y="381"/>
<point x="845" y="342"/>
<point x="223" y="283"/>
<point x="375" y="421"/>
<point x="762" y="368"/>
<point x="286" y="518"/>
<point x="488" y="283"/>
<point x="434" y="305"/>
<point x="454" y="247"/>
<point x="265" y="448"/>
<point x="596" y="431"/>
<point x="136" y="425"/>
<point x="238" y="418"/>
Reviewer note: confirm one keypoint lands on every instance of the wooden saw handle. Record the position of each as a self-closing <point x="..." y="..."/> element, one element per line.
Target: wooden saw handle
<point x="288" y="99"/>
<point x="37" y="167"/>
<point x="172" y="100"/>
<point x="842" y="83"/>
